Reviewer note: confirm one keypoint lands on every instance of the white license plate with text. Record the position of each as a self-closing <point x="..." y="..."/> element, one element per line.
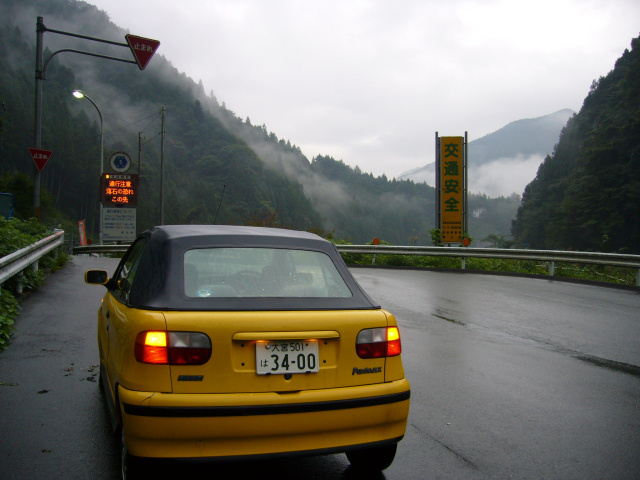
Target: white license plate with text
<point x="287" y="356"/>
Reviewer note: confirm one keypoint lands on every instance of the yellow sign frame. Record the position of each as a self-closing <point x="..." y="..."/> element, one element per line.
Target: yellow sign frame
<point x="451" y="188"/>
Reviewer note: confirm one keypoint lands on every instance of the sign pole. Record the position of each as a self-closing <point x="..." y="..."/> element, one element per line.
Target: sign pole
<point x="465" y="182"/>
<point x="437" y="182"/>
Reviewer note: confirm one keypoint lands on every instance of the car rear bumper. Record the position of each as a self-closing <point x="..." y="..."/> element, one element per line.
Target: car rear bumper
<point x="236" y="425"/>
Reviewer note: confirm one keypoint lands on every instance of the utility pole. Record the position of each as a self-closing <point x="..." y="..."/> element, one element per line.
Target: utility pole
<point x="40" y="29"/>
<point x="162" y="132"/>
<point x="139" y="152"/>
<point x="140" y="137"/>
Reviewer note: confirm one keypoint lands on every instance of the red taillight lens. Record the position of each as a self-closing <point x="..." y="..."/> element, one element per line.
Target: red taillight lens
<point x="173" y="348"/>
<point x="379" y="342"/>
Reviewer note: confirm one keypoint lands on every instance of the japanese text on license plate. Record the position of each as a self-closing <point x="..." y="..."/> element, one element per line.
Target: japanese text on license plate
<point x="287" y="356"/>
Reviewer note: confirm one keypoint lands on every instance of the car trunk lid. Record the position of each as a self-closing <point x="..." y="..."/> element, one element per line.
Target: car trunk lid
<point x="291" y="336"/>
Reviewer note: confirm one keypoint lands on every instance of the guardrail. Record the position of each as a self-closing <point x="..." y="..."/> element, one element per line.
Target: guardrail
<point x="16" y="262"/>
<point x="550" y="256"/>
<point x="100" y="249"/>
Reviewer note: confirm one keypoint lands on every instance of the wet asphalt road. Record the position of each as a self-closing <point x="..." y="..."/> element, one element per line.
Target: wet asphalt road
<point x="511" y="378"/>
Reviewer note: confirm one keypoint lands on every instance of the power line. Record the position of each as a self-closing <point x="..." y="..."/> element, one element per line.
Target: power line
<point x="134" y="123"/>
<point x="155" y="136"/>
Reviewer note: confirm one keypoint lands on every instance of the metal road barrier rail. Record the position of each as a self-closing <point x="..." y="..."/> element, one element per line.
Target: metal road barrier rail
<point x="550" y="256"/>
<point x="16" y="262"/>
<point x="100" y="249"/>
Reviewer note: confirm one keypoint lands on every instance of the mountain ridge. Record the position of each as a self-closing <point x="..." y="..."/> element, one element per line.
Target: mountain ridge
<point x="519" y="145"/>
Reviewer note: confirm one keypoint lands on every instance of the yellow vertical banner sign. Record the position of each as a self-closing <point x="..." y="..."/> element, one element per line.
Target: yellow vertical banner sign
<point x="452" y="189"/>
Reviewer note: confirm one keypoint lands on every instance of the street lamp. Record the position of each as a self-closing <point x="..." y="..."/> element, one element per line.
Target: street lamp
<point x="81" y="94"/>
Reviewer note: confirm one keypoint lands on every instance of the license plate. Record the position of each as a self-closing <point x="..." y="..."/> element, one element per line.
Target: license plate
<point x="287" y="356"/>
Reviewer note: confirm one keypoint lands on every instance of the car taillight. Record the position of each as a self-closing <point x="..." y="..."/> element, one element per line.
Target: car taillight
<point x="173" y="348"/>
<point x="379" y="342"/>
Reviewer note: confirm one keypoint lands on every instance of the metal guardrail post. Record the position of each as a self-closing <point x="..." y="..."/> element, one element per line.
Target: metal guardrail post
<point x="552" y="268"/>
<point x="20" y="283"/>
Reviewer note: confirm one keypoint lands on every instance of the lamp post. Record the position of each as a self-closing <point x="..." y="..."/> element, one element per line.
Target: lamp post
<point x="81" y="94"/>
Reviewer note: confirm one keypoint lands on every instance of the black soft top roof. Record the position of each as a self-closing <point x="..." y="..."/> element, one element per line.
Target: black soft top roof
<point x="159" y="280"/>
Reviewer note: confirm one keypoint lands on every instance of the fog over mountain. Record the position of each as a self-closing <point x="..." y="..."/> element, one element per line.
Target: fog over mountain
<point x="505" y="161"/>
<point x="217" y="167"/>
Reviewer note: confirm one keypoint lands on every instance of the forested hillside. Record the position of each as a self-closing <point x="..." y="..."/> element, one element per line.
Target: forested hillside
<point x="586" y="196"/>
<point x="216" y="167"/>
<point x="202" y="156"/>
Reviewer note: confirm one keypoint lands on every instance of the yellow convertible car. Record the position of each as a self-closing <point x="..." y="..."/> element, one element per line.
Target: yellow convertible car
<point x="247" y="342"/>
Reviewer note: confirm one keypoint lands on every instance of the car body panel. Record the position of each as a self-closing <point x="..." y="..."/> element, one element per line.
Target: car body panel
<point x="233" y="335"/>
<point x="124" y="324"/>
<point x="229" y="429"/>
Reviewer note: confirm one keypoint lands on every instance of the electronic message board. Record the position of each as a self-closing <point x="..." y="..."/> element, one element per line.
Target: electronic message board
<point x="119" y="189"/>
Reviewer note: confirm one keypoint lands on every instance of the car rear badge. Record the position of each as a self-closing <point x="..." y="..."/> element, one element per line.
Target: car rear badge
<point x="362" y="371"/>
<point x="190" y="378"/>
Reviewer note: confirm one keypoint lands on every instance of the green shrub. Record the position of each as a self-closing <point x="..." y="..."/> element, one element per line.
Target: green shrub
<point x="8" y="313"/>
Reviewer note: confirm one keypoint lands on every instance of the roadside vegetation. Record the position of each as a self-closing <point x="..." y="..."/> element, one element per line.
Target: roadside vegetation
<point x="594" y="273"/>
<point x="14" y="235"/>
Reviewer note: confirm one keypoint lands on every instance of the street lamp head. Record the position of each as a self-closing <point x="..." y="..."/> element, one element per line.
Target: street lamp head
<point x="81" y="94"/>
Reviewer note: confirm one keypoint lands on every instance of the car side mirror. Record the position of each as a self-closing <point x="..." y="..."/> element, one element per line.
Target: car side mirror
<point x="96" y="277"/>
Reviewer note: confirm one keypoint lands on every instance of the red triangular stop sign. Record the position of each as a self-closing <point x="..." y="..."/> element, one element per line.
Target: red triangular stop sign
<point x="40" y="157"/>
<point x="142" y="49"/>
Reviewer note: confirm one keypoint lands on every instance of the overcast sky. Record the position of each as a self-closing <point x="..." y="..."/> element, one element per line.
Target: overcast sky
<point x="370" y="82"/>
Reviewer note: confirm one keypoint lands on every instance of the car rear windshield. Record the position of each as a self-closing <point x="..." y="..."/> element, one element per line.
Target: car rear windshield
<point x="261" y="272"/>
